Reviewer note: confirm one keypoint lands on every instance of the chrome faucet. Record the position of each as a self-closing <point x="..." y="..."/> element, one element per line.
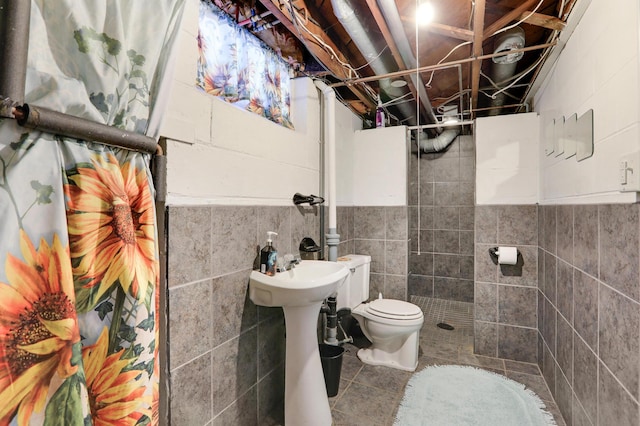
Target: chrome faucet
<point x="289" y="261"/>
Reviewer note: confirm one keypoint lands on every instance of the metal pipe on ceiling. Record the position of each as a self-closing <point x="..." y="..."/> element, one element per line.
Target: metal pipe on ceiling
<point x="345" y="12"/>
<point x="438" y="66"/>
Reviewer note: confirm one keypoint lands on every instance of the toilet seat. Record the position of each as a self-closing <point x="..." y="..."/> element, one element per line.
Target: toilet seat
<point x="392" y="309"/>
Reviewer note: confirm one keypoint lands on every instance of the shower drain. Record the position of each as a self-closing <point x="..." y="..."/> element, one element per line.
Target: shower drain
<point x="445" y="326"/>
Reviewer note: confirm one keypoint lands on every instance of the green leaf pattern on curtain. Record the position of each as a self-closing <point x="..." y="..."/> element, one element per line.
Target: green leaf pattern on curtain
<point x="239" y="68"/>
<point x="78" y="238"/>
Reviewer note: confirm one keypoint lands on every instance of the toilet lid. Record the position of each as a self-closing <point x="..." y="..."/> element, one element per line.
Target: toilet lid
<point x="394" y="309"/>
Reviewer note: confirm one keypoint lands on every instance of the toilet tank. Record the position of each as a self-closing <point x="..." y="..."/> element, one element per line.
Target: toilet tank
<point x="355" y="288"/>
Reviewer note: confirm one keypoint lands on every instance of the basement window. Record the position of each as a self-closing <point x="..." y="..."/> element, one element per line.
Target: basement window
<point x="238" y="67"/>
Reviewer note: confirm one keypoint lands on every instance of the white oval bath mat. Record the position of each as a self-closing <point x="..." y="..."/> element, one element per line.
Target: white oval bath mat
<point x="454" y="395"/>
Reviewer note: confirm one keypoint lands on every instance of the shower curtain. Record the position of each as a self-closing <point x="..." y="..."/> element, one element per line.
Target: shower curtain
<point x="79" y="267"/>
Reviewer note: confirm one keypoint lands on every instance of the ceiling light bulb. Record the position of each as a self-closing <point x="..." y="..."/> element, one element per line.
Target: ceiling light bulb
<point x="425" y="13"/>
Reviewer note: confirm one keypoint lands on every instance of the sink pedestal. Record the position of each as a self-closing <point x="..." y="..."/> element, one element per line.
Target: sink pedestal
<point x="305" y="401"/>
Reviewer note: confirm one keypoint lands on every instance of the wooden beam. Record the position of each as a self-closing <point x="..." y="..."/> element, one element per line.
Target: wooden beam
<point x="544" y="21"/>
<point x="395" y="52"/>
<point x="449" y="31"/>
<point x="478" y="37"/>
<point x="508" y="18"/>
<point x="326" y="51"/>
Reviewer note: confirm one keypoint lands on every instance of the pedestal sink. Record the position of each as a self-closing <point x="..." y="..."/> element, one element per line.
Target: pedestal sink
<point x="300" y="292"/>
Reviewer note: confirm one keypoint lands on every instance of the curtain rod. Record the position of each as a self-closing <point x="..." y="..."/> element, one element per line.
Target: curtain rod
<point x="439" y="66"/>
<point x="15" y="17"/>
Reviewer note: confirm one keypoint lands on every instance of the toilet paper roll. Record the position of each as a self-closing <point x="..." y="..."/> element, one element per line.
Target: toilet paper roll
<point x="507" y="255"/>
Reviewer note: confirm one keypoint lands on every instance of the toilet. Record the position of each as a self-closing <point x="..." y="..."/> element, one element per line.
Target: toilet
<point x="392" y="326"/>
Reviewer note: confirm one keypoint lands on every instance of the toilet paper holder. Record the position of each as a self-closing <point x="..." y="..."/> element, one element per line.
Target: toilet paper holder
<point x="495" y="254"/>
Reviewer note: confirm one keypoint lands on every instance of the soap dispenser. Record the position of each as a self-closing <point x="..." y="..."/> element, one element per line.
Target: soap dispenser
<point x="269" y="256"/>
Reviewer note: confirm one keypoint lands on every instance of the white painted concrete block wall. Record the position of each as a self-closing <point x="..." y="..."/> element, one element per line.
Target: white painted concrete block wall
<point x="379" y="167"/>
<point x="507" y="159"/>
<point x="219" y="154"/>
<point x="598" y="69"/>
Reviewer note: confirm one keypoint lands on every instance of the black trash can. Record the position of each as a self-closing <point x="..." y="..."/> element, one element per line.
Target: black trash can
<point x="331" y="358"/>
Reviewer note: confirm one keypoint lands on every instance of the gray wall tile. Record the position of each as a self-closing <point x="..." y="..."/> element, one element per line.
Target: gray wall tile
<point x="396" y="257"/>
<point x="486" y="302"/>
<point x="446" y="194"/>
<point x="486" y="224"/>
<point x="271" y="398"/>
<point x="564" y="284"/>
<point x="585" y="319"/>
<point x="421" y="264"/>
<point x="271" y="346"/>
<point x="549" y="242"/>
<point x="515" y="307"/>
<point x="619" y="337"/>
<point x="277" y="219"/>
<point x="447" y="241"/>
<point x="565" y="233"/>
<point x="619" y="248"/>
<point x="420" y="285"/>
<point x="615" y="406"/>
<point x="234" y="238"/>
<point x="446" y="218"/>
<point x="517" y="225"/>
<point x="375" y="249"/>
<point x="517" y="343"/>
<point x="564" y="349"/>
<point x="585" y="379"/>
<point x="564" y="397"/>
<point x="244" y="411"/>
<point x="189" y="244"/>
<point x="585" y="238"/>
<point x="305" y="221"/>
<point x="486" y="270"/>
<point x="233" y="311"/>
<point x="190" y="328"/>
<point x="396" y="222"/>
<point x="453" y="289"/>
<point x="233" y="369"/>
<point x="395" y="287"/>
<point x="191" y="392"/>
<point x="485" y="338"/>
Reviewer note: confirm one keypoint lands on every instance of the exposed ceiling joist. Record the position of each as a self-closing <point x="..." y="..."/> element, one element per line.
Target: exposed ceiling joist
<point x="393" y="47"/>
<point x="508" y="18"/>
<point x="449" y="31"/>
<point x="327" y="52"/>
<point x="544" y="21"/>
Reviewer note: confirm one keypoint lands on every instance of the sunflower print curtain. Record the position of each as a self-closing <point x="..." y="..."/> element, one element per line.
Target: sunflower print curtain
<point x="238" y="67"/>
<point x="79" y="268"/>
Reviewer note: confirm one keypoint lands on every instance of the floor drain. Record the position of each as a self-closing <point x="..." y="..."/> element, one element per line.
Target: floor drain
<point x="445" y="326"/>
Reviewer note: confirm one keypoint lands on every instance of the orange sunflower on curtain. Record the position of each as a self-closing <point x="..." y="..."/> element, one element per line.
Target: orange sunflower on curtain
<point x="38" y="327"/>
<point x="111" y="228"/>
<point x="116" y="395"/>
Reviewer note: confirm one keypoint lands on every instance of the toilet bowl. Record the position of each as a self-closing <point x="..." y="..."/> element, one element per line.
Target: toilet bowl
<point x="392" y="326"/>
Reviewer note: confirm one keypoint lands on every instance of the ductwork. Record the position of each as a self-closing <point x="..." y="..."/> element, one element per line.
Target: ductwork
<point x="345" y="12"/>
<point x="440" y="142"/>
<point x="504" y="67"/>
<point x="392" y="18"/>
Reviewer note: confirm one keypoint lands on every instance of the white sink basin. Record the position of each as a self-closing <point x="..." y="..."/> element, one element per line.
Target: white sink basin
<point x="300" y="292"/>
<point x="308" y="282"/>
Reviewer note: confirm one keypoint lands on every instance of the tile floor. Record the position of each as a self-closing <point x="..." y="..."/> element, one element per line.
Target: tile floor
<point x="370" y="395"/>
